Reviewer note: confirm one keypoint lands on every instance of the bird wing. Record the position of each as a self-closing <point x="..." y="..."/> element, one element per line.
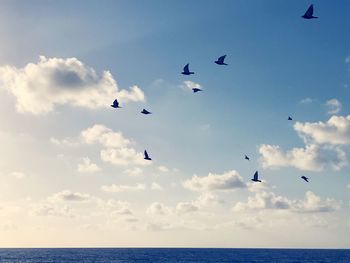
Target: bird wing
<point x="186" y="68"/>
<point x="146" y="154"/>
<point x="310" y="11"/>
<point x="256" y="175"/>
<point x="115" y="102"/>
<point x="222" y="58"/>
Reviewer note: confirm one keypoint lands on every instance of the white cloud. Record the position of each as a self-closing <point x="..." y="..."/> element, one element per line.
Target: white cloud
<point x="186" y="207"/>
<point x="133" y="171"/>
<point x="67" y="195"/>
<point x="311" y="158"/>
<point x="64" y="142"/>
<point x="51" y="210"/>
<point x="157" y="208"/>
<point x="187" y="84"/>
<point x="18" y="175"/>
<point x="208" y="199"/>
<point x="163" y="169"/>
<point x="86" y="166"/>
<point x="228" y="181"/>
<point x="306" y="100"/>
<point x="313" y="204"/>
<point x="104" y="136"/>
<point x="335" y="131"/>
<point x="269" y="200"/>
<point x="123" y="157"/>
<point x="334" y="106"/>
<point x="263" y="200"/>
<point x="113" y="188"/>
<point x="39" y="87"/>
<point x="156" y="186"/>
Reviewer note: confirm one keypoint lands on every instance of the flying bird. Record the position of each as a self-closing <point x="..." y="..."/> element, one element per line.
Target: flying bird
<point x="255" y="177"/>
<point x="246" y="157"/>
<point x="305" y="178"/>
<point x="144" y="111"/>
<point x="146" y="156"/>
<point x="115" y="104"/>
<point x="187" y="70"/>
<point x="290" y="118"/>
<point x="220" y="60"/>
<point x="309" y="13"/>
<point x="196" y="90"/>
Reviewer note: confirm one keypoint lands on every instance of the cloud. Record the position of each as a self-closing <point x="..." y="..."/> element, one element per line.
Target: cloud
<point x="263" y="200"/>
<point x="123" y="157"/>
<point x="39" y="87"/>
<point x="104" y="136"/>
<point x="69" y="196"/>
<point x="17" y="175"/>
<point x="314" y="204"/>
<point x="113" y="188"/>
<point x="311" y="158"/>
<point x="86" y="166"/>
<point x="133" y="172"/>
<point x="51" y="210"/>
<point x="156" y="209"/>
<point x="64" y="142"/>
<point x="269" y="200"/>
<point x="163" y="169"/>
<point x="228" y="181"/>
<point x="156" y="186"/>
<point x="208" y="199"/>
<point x="187" y="84"/>
<point x="335" y="131"/>
<point x="306" y="101"/>
<point x="186" y="207"/>
<point x="334" y="106"/>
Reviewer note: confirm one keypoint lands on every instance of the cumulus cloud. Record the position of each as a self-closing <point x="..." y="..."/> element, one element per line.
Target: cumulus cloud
<point x="133" y="172"/>
<point x="123" y="157"/>
<point x="335" y="131"/>
<point x="269" y="200"/>
<point x="39" y="87"/>
<point x="163" y="169"/>
<point x="51" y="210"/>
<point x="86" y="166"/>
<point x="104" y="136"/>
<point x="69" y="196"/>
<point x="313" y="203"/>
<point x="306" y="100"/>
<point x="228" y="181"/>
<point x="156" y="186"/>
<point x="157" y="208"/>
<point x="113" y="188"/>
<point x="186" y="207"/>
<point x="311" y="158"/>
<point x="187" y="84"/>
<point x="334" y="106"/>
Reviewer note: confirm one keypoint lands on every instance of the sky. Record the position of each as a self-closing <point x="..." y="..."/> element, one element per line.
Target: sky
<point x="72" y="169"/>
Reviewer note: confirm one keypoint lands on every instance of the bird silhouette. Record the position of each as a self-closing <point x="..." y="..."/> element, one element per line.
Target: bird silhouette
<point x="187" y="70"/>
<point x="290" y="118"/>
<point x="220" y="60"/>
<point x="255" y="177"/>
<point x="196" y="90"/>
<point x="115" y="104"/>
<point x="305" y="178"/>
<point x="144" y="111"/>
<point x="147" y="156"/>
<point x="246" y="157"/>
<point x="309" y="13"/>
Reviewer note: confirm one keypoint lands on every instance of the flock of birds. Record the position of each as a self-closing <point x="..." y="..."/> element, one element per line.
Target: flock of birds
<point x="221" y="61"/>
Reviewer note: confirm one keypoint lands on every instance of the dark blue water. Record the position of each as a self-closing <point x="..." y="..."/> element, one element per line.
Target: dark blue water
<point x="173" y="255"/>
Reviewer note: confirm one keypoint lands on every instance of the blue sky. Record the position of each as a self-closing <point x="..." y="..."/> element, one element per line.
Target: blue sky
<point x="279" y="65"/>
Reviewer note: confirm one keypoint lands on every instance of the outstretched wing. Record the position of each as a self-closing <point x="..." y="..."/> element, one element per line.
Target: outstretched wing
<point x="256" y="175"/>
<point x="221" y="59"/>
<point x="310" y="11"/>
<point x="116" y="103"/>
<point x="146" y="155"/>
<point x="186" y="68"/>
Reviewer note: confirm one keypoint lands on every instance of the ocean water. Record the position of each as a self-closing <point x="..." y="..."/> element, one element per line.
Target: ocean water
<point x="173" y="255"/>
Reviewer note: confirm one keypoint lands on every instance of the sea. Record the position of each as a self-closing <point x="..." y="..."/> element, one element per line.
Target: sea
<point x="155" y="255"/>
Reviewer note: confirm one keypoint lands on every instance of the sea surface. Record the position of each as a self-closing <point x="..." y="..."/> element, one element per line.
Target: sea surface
<point x="173" y="255"/>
